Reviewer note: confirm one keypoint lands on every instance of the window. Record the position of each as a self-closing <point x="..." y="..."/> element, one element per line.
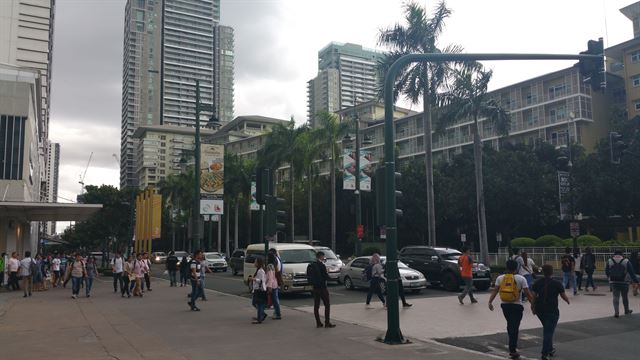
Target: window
<point x="12" y="130"/>
<point x="637" y="105"/>
<point x="635" y="80"/>
<point x="557" y="90"/>
<point x="163" y="137"/>
<point x="635" y="56"/>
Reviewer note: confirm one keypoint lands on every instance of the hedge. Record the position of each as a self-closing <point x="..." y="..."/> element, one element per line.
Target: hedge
<point x="588" y="240"/>
<point x="370" y="250"/>
<point x="548" y="240"/>
<point x="523" y="242"/>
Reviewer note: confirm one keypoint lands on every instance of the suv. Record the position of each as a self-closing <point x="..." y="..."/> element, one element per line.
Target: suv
<point x="440" y="266"/>
<point x="236" y="262"/>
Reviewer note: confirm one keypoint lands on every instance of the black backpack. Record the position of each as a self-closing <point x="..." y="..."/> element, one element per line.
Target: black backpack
<point x="618" y="270"/>
<point x="367" y="273"/>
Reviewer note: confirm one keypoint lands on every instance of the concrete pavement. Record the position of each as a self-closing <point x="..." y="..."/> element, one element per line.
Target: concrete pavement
<point x="160" y="326"/>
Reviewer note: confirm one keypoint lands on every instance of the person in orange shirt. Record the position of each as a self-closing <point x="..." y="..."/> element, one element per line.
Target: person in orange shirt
<point x="466" y="263"/>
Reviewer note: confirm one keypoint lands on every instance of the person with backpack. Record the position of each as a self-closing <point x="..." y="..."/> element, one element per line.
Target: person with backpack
<point x="172" y="268"/>
<point x="568" y="263"/>
<point x="117" y="269"/>
<point x="577" y="256"/>
<point x="588" y="263"/>
<point x="618" y="269"/>
<point x="374" y="273"/>
<point x="28" y="267"/>
<point x="510" y="286"/>
<point x="318" y="276"/>
<point x="127" y="275"/>
<point x="78" y="272"/>
<point x="465" y="262"/>
<point x="633" y="257"/>
<point x="545" y="307"/>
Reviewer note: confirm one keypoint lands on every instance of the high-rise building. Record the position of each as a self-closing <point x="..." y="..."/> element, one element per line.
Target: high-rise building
<point x="168" y="45"/>
<point x="52" y="175"/>
<point x="347" y="76"/>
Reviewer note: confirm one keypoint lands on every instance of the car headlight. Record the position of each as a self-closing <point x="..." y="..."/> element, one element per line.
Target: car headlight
<point x="157" y="258"/>
<point x="287" y="276"/>
<point x="420" y="276"/>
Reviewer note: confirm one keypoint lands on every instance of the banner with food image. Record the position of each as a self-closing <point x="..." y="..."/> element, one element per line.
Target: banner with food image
<point x="349" y="166"/>
<point x="211" y="170"/>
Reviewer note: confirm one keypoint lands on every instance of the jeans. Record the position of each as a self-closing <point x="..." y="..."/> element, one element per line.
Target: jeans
<point x="147" y="280"/>
<point x="260" y="315"/>
<point x="132" y="286"/>
<point x="1" y="278"/>
<point x="117" y="279"/>
<point x="125" y="286"/>
<point x="590" y="279"/>
<point x="468" y="288"/>
<point x="196" y="289"/>
<point x="321" y="294"/>
<point x="172" y="277"/>
<point x="374" y="286"/>
<point x="513" y="315"/>
<point x="620" y="289"/>
<point x="579" y="279"/>
<point x="13" y="280"/>
<point x="75" y="285"/>
<point x="56" y="278"/>
<point x="183" y="278"/>
<point x="569" y="277"/>
<point x="275" y="299"/>
<point x="202" y="295"/>
<point x="27" y="284"/>
<point x="88" y="283"/>
<point x="549" y="322"/>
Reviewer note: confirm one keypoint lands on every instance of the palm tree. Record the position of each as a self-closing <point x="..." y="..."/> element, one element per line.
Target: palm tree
<point x="237" y="187"/>
<point x="177" y="195"/>
<point x="279" y="149"/>
<point x="466" y="97"/>
<point x="330" y="134"/>
<point x="310" y="149"/>
<point x="419" y="81"/>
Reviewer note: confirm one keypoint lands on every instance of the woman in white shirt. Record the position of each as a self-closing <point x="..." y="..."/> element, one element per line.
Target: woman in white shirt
<point x="260" y="290"/>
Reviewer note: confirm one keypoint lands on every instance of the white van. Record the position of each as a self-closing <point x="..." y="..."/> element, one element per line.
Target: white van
<point x="295" y="259"/>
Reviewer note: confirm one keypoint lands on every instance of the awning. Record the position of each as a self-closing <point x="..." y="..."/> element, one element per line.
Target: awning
<point x="36" y="211"/>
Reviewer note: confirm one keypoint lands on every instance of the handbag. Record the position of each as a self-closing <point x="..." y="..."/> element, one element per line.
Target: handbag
<point x="260" y="296"/>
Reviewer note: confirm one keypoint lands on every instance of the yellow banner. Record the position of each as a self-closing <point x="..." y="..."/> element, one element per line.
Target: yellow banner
<point x="156" y="217"/>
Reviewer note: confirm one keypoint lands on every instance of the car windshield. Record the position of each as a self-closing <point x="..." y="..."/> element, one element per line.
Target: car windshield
<point x="449" y="255"/>
<point x="328" y="254"/>
<point x="159" y="254"/>
<point x="213" y="257"/>
<point x="297" y="256"/>
<point x="180" y="254"/>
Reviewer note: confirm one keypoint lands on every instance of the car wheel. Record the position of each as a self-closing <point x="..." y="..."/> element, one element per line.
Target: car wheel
<point x="450" y="282"/>
<point x="483" y="286"/>
<point x="348" y="284"/>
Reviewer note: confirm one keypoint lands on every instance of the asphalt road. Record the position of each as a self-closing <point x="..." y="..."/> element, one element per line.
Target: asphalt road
<point x="227" y="283"/>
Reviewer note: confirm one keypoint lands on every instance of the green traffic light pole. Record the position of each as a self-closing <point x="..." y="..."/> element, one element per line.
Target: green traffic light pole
<point x="357" y="192"/>
<point x="195" y="216"/>
<point x="393" y="334"/>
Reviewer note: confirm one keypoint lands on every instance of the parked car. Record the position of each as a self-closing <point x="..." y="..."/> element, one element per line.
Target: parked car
<point x="440" y="266"/>
<point x="215" y="261"/>
<point x="351" y="275"/>
<point x="332" y="262"/>
<point x="236" y="262"/>
<point x="180" y="255"/>
<point x="158" y="257"/>
<point x="295" y="259"/>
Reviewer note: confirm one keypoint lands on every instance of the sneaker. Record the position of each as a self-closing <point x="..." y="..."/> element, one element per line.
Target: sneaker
<point x="74" y="297"/>
<point x="319" y="325"/>
<point x="276" y="317"/>
<point x="88" y="295"/>
<point x="627" y="312"/>
<point x="407" y="305"/>
<point x="514" y="355"/>
<point x="195" y="309"/>
<point x="553" y="352"/>
<point x="474" y="301"/>
<point x="329" y="325"/>
<point x="460" y="300"/>
<point x="616" y="315"/>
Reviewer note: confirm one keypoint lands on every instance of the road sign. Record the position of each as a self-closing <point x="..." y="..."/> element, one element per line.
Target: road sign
<point x="463" y="238"/>
<point x="499" y="238"/>
<point x="215" y="218"/>
<point x="574" y="229"/>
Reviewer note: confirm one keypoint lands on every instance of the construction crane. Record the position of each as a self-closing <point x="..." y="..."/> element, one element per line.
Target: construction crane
<point x="81" y="182"/>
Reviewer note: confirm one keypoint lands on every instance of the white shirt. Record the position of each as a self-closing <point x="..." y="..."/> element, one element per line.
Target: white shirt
<point x="526" y="269"/>
<point x="56" y="264"/>
<point x="118" y="265"/>
<point x="521" y="283"/>
<point x="25" y="266"/>
<point x="13" y="265"/>
<point x="578" y="261"/>
<point x="259" y="282"/>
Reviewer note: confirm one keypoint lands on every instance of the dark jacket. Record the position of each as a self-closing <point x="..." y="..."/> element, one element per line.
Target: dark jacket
<point x="588" y="262"/>
<point x="317" y="275"/>
<point x="172" y="263"/>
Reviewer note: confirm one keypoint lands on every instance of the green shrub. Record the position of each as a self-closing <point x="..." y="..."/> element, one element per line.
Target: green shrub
<point x="588" y="240"/>
<point x="559" y="243"/>
<point x="523" y="242"/>
<point x="547" y="240"/>
<point x="370" y="250"/>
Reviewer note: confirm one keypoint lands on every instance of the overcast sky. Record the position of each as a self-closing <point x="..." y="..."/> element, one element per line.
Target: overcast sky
<point x="276" y="46"/>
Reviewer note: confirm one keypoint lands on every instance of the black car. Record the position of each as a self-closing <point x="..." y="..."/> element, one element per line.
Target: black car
<point x="440" y="266"/>
<point x="236" y="262"/>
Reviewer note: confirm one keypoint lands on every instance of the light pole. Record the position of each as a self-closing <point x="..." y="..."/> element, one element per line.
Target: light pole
<point x="367" y="141"/>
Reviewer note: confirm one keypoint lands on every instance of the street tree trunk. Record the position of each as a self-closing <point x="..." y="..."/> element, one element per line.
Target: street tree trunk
<point x="292" y="188"/>
<point x="235" y="226"/>
<point x="332" y="168"/>
<point x="226" y="242"/>
<point x="428" y="158"/>
<point x="482" y="221"/>
<point x="310" y="210"/>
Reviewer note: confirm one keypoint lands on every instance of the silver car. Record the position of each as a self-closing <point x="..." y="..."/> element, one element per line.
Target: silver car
<point x="332" y="262"/>
<point x="215" y="261"/>
<point x="351" y="275"/>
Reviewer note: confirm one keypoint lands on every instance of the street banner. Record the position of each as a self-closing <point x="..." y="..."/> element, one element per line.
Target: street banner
<point x="254" y="203"/>
<point x="211" y="207"/>
<point x="156" y="216"/>
<point x="211" y="171"/>
<point x="564" y="188"/>
<point x="349" y="167"/>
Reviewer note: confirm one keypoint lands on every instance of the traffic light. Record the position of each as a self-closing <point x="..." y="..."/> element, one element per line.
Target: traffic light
<point x="275" y="215"/>
<point x="616" y="146"/>
<point x="381" y="202"/>
<point x="264" y="184"/>
<point x="593" y="70"/>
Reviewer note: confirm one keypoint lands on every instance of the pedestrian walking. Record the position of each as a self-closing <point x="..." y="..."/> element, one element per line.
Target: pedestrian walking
<point x="205" y="270"/>
<point x="465" y="262"/>
<point x="619" y="270"/>
<point x="92" y="272"/>
<point x="274" y="258"/>
<point x="184" y="271"/>
<point x="55" y="267"/>
<point x="3" y="265"/>
<point x="577" y="256"/>
<point x="147" y="274"/>
<point x="13" y="267"/>
<point x="510" y="286"/>
<point x="545" y="307"/>
<point x="172" y="268"/>
<point x="139" y="269"/>
<point x="259" y="291"/>
<point x="38" y="275"/>
<point x="78" y="272"/>
<point x="117" y="269"/>
<point x="568" y="270"/>
<point x="27" y="268"/>
<point x="196" y="287"/>
<point x="127" y="277"/>
<point x="375" y="279"/>
<point x="588" y="263"/>
<point x="272" y="285"/>
<point x="318" y="276"/>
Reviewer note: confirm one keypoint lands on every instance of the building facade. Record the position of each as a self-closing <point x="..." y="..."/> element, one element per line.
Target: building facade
<point x="347" y="76"/>
<point x="52" y="174"/>
<point x="168" y="45"/>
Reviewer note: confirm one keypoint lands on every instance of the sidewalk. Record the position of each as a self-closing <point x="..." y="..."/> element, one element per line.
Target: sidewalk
<point x="159" y="326"/>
